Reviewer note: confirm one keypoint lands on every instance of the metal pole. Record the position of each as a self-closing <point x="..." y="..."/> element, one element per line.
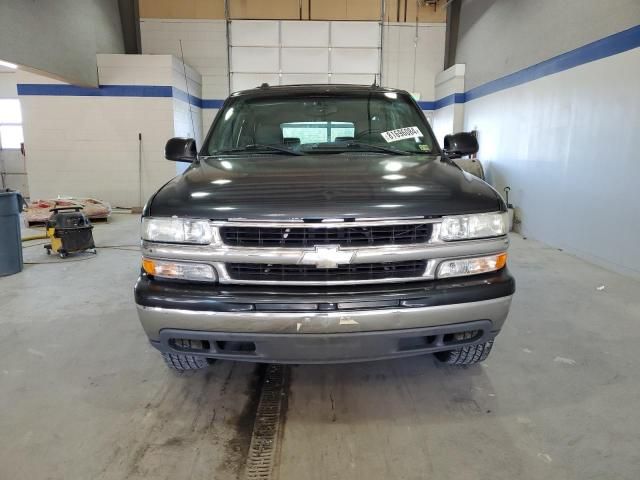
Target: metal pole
<point x="381" y="67"/>
<point x="140" y="199"/>
<point x="227" y="22"/>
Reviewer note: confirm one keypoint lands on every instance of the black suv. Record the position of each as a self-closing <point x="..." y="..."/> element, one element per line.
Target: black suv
<point x="323" y="223"/>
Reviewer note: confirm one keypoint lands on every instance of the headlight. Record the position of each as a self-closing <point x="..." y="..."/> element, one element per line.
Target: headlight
<point x="471" y="266"/>
<point x="200" y="272"/>
<point x="177" y="230"/>
<point x="481" y="225"/>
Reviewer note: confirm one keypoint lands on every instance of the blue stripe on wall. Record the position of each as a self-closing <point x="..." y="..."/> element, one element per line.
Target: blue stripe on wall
<point x="449" y="100"/>
<point x="154" y="91"/>
<point x="187" y="98"/>
<point x="210" y="103"/>
<point x="443" y="102"/>
<point x="426" y="105"/>
<point x="101" y="91"/>
<point x="606" y="47"/>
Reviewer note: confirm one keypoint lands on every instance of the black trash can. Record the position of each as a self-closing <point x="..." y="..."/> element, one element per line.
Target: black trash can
<point x="10" y="236"/>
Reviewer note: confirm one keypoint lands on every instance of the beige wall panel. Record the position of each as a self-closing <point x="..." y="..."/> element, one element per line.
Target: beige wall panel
<point x="261" y="9"/>
<point x="305" y="10"/>
<point x="426" y="13"/>
<point x="328" y="9"/>
<point x="392" y="10"/>
<point x="198" y="9"/>
<point x="345" y="9"/>
<point x="363" y="10"/>
<point x="396" y="10"/>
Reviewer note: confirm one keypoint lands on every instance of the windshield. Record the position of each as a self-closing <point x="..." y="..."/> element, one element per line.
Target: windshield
<point x="386" y="122"/>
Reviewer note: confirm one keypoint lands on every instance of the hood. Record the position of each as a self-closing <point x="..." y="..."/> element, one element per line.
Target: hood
<point x="362" y="185"/>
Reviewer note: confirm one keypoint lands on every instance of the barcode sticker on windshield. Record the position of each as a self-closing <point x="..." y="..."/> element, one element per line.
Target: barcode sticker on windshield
<point x="401" y="134"/>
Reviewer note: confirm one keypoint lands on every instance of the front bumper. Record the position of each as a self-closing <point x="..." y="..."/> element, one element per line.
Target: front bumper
<point x="323" y="325"/>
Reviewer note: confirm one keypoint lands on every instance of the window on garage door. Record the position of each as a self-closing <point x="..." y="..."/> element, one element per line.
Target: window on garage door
<point x="10" y="123"/>
<point x="317" y="132"/>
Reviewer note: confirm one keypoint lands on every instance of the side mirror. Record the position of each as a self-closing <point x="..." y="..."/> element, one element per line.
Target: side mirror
<point x="181" y="150"/>
<point x="460" y="144"/>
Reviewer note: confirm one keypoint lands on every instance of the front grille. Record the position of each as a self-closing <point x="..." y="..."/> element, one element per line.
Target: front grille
<point x="347" y="236"/>
<point x="309" y="273"/>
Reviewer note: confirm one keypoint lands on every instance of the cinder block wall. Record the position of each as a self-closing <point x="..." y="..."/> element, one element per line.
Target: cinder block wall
<point x="204" y="45"/>
<point x="84" y="142"/>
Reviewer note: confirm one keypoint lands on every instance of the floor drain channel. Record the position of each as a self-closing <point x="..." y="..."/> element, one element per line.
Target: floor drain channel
<point x="266" y="430"/>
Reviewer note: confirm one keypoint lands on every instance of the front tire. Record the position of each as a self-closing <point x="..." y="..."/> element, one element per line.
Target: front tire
<point x="468" y="355"/>
<point x="182" y="363"/>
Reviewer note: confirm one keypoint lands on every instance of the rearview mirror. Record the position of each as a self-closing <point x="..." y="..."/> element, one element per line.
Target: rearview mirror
<point x="460" y="144"/>
<point x="181" y="150"/>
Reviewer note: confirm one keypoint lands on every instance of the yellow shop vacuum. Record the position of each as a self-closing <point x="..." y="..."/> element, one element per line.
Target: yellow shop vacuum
<point x="70" y="231"/>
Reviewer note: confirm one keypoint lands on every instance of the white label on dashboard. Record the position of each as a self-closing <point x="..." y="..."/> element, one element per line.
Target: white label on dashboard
<point x="401" y="134"/>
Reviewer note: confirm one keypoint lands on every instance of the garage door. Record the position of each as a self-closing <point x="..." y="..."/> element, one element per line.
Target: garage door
<point x="291" y="52"/>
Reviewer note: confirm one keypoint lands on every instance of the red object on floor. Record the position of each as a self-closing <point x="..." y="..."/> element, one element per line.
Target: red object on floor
<point x="40" y="210"/>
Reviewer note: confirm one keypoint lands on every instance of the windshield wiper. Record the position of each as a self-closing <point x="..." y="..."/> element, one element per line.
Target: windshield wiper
<point x="378" y="148"/>
<point x="257" y="147"/>
<point x="363" y="147"/>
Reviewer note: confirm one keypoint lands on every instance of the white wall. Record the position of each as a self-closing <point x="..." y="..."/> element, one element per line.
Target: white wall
<point x="8" y="84"/>
<point x="88" y="145"/>
<point x="413" y="56"/>
<point x="13" y="171"/>
<point x="567" y="146"/>
<point x="449" y="118"/>
<point x="204" y="43"/>
<point x="187" y="117"/>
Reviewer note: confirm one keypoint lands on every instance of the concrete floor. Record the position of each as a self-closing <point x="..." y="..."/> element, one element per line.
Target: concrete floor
<point x="83" y="396"/>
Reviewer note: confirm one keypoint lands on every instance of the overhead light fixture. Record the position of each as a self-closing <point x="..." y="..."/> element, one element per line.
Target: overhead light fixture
<point x="13" y="66"/>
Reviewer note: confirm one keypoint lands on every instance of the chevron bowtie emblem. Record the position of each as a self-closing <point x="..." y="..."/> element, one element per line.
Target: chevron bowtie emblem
<point x="327" y="256"/>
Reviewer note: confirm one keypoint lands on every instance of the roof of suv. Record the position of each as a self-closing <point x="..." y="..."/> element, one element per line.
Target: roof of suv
<point x="267" y="90"/>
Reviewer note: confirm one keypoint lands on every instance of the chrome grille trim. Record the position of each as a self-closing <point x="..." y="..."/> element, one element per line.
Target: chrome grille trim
<point x="321" y="224"/>
<point x="298" y="221"/>
<point x="218" y="254"/>
<point x="223" y="253"/>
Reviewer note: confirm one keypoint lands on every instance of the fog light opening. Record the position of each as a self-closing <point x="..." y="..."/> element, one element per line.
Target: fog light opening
<point x="462" y="337"/>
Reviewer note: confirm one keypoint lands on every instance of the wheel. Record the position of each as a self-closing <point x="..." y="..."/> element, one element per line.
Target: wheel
<point x="467" y="355"/>
<point x="180" y="362"/>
